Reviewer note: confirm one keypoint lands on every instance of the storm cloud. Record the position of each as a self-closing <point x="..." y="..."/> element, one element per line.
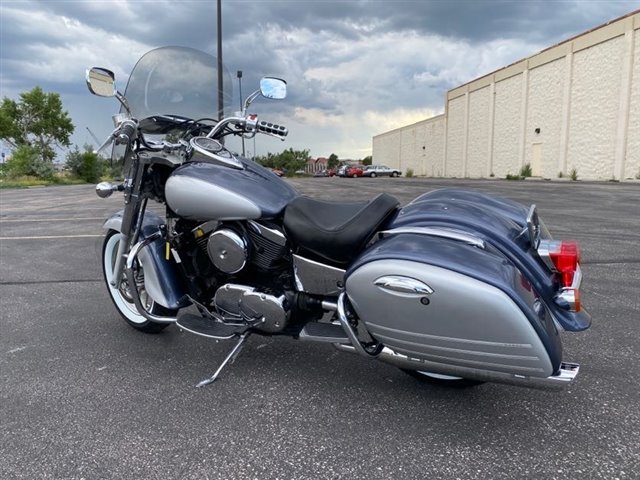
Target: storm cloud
<point x="354" y="68"/>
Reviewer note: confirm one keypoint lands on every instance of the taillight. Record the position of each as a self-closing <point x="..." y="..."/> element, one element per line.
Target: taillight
<point x="563" y="257"/>
<point x="566" y="258"/>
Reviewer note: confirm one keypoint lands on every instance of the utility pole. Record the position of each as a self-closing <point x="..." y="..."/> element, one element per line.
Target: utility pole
<point x="239" y="73"/>
<point x="220" y="86"/>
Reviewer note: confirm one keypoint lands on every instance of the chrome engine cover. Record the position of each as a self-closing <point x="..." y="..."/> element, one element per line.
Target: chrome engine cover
<point x="227" y="250"/>
<point x="243" y="303"/>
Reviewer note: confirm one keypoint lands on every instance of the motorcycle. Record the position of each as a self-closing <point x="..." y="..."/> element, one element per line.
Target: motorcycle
<point x="457" y="287"/>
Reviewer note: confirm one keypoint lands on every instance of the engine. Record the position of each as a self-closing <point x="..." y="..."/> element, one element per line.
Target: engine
<point x="231" y="248"/>
<point x="251" y="252"/>
<point x="243" y="303"/>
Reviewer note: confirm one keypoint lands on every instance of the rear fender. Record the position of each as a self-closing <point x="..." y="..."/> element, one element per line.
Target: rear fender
<point x="162" y="279"/>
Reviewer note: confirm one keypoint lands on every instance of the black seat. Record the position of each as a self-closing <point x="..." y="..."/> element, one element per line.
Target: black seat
<point x="335" y="231"/>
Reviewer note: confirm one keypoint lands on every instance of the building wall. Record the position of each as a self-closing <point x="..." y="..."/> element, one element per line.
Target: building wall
<point x="506" y="133"/>
<point x="418" y="147"/>
<point x="595" y="93"/>
<point x="456" y="119"/>
<point x="478" y="133"/>
<point x="632" y="165"/>
<point x="544" y="115"/>
<point x="573" y="106"/>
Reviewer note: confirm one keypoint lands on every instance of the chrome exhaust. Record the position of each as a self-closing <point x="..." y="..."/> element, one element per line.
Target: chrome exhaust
<point x="566" y="374"/>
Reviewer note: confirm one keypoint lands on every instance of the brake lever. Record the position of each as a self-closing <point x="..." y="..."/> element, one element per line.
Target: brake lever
<point x="106" y="143"/>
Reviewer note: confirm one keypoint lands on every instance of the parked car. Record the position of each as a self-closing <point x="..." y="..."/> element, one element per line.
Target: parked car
<point x="350" y="171"/>
<point x="331" y="172"/>
<point x="381" y="171"/>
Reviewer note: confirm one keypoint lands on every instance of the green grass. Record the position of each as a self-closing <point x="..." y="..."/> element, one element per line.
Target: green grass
<point x="26" y="182"/>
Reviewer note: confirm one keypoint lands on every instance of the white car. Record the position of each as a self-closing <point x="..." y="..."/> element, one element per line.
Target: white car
<point x="381" y="171"/>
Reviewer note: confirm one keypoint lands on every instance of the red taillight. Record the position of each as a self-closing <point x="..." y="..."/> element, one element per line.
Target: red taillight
<point x="565" y="256"/>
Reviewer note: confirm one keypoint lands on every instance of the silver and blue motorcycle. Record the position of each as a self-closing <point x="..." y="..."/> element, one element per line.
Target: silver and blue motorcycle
<point x="457" y="287"/>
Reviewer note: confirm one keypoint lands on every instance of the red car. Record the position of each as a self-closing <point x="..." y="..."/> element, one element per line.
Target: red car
<point x="350" y="171"/>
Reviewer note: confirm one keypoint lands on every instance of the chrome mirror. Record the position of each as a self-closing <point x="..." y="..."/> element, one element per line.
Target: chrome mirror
<point x="101" y="82"/>
<point x="275" y="88"/>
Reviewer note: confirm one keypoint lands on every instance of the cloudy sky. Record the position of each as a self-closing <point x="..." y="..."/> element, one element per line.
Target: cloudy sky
<point x="355" y="68"/>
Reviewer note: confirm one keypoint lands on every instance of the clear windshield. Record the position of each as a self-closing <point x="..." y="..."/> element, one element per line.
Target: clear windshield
<point x="176" y="81"/>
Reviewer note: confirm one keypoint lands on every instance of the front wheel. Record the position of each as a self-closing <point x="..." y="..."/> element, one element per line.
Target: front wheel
<point x="121" y="295"/>
<point x="443" y="380"/>
<point x="373" y="174"/>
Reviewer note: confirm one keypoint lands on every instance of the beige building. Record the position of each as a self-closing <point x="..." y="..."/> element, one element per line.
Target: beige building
<point x="574" y="106"/>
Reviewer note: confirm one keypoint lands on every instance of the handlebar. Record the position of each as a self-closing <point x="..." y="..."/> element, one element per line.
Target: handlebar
<point x="272" y="128"/>
<point x="127" y="132"/>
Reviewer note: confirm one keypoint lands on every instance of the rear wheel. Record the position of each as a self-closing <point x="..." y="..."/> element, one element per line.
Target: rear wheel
<point x="394" y="174"/>
<point x="121" y="295"/>
<point x="443" y="380"/>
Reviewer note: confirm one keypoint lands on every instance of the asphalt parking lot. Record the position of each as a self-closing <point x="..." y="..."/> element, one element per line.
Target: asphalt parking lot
<point x="85" y="396"/>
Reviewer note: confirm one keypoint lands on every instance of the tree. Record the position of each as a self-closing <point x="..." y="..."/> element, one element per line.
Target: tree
<point x="36" y="121"/>
<point x="333" y="161"/>
<point x="367" y="160"/>
<point x="86" y="165"/>
<point x="291" y="160"/>
<point x="24" y="161"/>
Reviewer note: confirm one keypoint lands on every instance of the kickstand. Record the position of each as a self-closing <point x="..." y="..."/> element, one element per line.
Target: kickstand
<point x="230" y="358"/>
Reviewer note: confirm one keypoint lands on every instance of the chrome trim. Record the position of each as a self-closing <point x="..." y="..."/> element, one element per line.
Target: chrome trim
<point x="438" y="232"/>
<point x="567" y="296"/>
<point x="344" y="322"/>
<point x="545" y="247"/>
<point x="533" y="226"/>
<point x="105" y="189"/>
<point x="227" y="257"/>
<point x="214" y="150"/>
<point x="317" y="278"/>
<point x="401" y="284"/>
<point x="270" y="234"/>
<point x="566" y="374"/>
<point x="329" y="306"/>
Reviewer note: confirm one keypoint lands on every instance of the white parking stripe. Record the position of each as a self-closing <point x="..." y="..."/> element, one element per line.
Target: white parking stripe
<point x="49" y="237"/>
<point x="2" y="220"/>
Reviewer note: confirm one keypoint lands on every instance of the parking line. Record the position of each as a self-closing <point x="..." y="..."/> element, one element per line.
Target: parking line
<point x="3" y="220"/>
<point x="49" y="237"/>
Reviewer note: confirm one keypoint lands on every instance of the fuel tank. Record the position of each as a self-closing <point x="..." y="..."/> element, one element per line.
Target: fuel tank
<point x="205" y="191"/>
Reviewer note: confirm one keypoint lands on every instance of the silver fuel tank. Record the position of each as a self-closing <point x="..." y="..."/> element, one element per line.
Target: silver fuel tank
<point x="206" y="191"/>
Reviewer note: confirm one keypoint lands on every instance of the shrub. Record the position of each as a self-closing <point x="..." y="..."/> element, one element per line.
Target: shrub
<point x="560" y="174"/>
<point x="525" y="171"/>
<point x="86" y="165"/>
<point x="574" y="174"/>
<point x="26" y="162"/>
<point x="409" y="173"/>
<point x="514" y="177"/>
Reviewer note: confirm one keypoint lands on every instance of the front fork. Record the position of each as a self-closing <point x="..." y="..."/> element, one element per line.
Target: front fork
<point x="133" y="214"/>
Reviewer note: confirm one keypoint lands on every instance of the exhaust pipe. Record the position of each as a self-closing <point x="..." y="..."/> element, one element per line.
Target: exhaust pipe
<point x="566" y="374"/>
